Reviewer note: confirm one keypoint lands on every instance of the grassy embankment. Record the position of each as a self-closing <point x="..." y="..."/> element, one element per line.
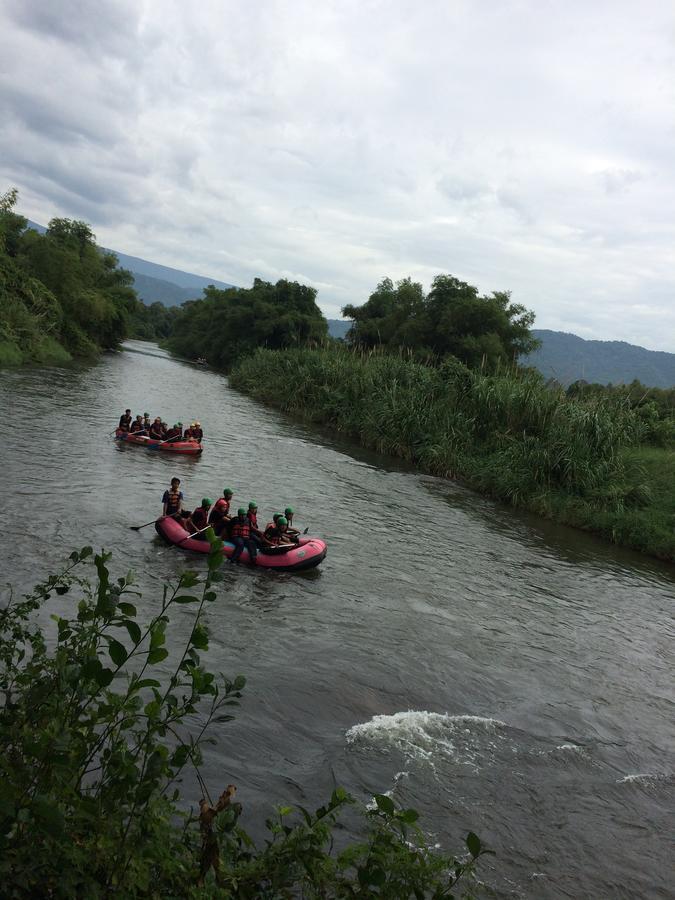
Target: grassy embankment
<point x="580" y="462"/>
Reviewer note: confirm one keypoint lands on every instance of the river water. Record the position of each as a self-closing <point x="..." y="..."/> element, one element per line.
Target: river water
<point x="496" y="672"/>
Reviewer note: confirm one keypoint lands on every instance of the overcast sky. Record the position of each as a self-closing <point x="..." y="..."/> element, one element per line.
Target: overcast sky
<point x="517" y="144"/>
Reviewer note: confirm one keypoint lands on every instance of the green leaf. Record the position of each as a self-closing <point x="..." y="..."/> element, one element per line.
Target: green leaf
<point x="186" y="598"/>
<point x="127" y="608"/>
<point x="386" y="804"/>
<point x="409" y="816"/>
<point x="223" y="718"/>
<point x="473" y="843"/>
<point x="189" y="579"/>
<point x="199" y="637"/>
<point x="62" y="589"/>
<point x="48" y="814"/>
<point x="157" y="655"/>
<point x="239" y="683"/>
<point x="134" y="631"/>
<point x="210" y="596"/>
<point x="147" y="682"/>
<point x="104" y="677"/>
<point x="118" y="652"/>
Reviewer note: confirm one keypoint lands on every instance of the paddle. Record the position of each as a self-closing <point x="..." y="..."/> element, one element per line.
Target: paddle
<point x="194" y="534"/>
<point x="138" y="527"/>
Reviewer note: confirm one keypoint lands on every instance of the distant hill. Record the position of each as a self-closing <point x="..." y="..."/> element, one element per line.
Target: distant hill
<point x="568" y="358"/>
<point x="151" y="290"/>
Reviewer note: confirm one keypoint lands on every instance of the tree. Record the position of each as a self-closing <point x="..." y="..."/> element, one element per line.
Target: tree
<point x="226" y="325"/>
<point x="453" y="318"/>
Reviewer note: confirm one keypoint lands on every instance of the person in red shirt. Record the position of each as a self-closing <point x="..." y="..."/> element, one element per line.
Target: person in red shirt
<point x="199" y="519"/>
<point x="220" y="513"/>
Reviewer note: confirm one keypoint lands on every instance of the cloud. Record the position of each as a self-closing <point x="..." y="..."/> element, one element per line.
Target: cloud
<point x="519" y="146"/>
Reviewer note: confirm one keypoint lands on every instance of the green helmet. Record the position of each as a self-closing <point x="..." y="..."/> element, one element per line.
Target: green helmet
<point x="147" y="415"/>
<point x="282" y="520"/>
<point x="227" y="491"/>
<point x="206" y="501"/>
<point x="253" y="505"/>
<point x="241" y="511"/>
<point x="277" y="516"/>
<point x="180" y="424"/>
<point x="289" y="510"/>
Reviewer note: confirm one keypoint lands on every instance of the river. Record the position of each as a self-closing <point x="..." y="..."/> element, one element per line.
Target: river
<point x="494" y="671"/>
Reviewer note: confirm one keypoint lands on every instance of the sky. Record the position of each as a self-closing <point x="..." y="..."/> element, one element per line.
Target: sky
<point x="521" y="145"/>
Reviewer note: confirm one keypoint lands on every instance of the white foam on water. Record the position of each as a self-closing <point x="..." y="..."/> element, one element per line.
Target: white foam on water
<point x="642" y="778"/>
<point x="426" y="736"/>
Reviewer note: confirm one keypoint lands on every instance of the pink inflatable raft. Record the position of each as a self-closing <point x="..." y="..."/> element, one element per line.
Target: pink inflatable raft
<point x="305" y="555"/>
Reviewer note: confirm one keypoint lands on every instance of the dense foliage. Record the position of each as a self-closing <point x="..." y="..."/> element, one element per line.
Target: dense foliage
<point x="654" y="406"/>
<point x="507" y="434"/>
<point x="451" y="319"/>
<point x="226" y="325"/>
<point x="95" y="742"/>
<point x="61" y="296"/>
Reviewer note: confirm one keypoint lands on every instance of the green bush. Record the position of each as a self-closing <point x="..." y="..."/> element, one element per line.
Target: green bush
<point x="93" y="743"/>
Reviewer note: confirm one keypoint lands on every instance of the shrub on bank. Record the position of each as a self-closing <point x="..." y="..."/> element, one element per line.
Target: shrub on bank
<point x="94" y="743"/>
<point x="509" y="435"/>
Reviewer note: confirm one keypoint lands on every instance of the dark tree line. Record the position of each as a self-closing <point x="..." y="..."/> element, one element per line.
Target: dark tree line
<point x="62" y="296"/>
<point x="451" y="319"/>
<point x="226" y="325"/>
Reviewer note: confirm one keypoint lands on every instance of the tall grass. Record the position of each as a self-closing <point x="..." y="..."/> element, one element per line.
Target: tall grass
<point x="506" y="434"/>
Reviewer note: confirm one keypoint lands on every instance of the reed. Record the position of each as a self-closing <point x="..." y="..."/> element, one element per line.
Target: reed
<point x="506" y="434"/>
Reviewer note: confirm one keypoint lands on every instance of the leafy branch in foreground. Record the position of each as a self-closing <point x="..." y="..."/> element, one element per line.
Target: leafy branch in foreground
<point x="94" y="742"/>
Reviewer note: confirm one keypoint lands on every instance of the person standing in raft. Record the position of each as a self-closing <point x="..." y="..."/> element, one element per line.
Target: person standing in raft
<point x="199" y="519"/>
<point x="125" y="421"/>
<point x="172" y="501"/>
<point x="220" y="516"/>
<point x="241" y="537"/>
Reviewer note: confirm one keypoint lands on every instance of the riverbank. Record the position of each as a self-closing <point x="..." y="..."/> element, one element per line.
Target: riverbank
<point x="578" y="462"/>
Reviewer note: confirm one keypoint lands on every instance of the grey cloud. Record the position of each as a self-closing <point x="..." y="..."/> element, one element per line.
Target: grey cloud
<point x="344" y="142"/>
<point x="104" y="26"/>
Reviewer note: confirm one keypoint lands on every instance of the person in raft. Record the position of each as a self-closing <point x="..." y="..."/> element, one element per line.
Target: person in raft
<point x="137" y="425"/>
<point x="220" y="516"/>
<point x="279" y="534"/>
<point x="252" y="516"/>
<point x="197" y="433"/>
<point x="125" y="421"/>
<point x="156" y="432"/>
<point x="172" y="501"/>
<point x="175" y="433"/>
<point x="240" y="535"/>
<point x="146" y="422"/>
<point x="199" y="519"/>
<point x="288" y="513"/>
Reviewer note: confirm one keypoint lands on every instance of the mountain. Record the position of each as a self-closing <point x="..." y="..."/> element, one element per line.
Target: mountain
<point x="338" y="328"/>
<point x="568" y="358"/>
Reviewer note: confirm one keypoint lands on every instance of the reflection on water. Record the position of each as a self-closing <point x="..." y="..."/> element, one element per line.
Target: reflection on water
<point x="435" y="614"/>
